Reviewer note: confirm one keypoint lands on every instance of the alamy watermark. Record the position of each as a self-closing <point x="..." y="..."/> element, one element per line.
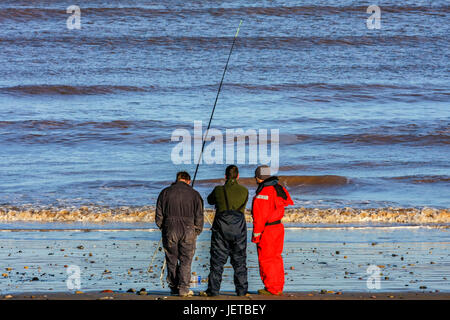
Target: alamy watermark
<point x="374" y="21"/>
<point x="74" y="21"/>
<point x="220" y="146"/>
<point x="374" y="280"/>
<point x="73" y="281"/>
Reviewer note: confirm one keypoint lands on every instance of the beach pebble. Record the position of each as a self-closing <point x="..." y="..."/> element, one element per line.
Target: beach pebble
<point x="142" y="292"/>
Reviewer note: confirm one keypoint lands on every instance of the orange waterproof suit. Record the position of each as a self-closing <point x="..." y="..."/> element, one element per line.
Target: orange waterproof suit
<point x="268" y="233"/>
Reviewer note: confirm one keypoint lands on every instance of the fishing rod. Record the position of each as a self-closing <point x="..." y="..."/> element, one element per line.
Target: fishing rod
<point x="203" y="144"/>
<point x="214" y="109"/>
<point x="215" y="103"/>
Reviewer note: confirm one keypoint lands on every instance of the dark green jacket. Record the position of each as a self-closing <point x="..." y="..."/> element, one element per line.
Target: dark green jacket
<point x="237" y="196"/>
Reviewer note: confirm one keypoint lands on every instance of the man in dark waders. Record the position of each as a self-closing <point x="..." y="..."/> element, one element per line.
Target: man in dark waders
<point x="179" y="215"/>
<point x="229" y="234"/>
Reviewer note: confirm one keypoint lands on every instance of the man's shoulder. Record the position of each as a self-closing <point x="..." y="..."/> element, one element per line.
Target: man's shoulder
<point x="266" y="191"/>
<point x="241" y="188"/>
<point x="218" y="188"/>
<point x="196" y="193"/>
<point x="166" y="189"/>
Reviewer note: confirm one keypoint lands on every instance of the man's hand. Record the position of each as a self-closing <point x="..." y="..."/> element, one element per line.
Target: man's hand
<point x="256" y="237"/>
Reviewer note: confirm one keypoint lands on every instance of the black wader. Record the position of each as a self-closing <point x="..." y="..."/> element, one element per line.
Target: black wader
<point x="229" y="239"/>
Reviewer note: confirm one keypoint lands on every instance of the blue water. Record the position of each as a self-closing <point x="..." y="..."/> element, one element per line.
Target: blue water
<point x="87" y="115"/>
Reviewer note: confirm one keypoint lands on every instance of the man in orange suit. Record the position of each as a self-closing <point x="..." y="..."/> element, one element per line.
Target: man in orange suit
<point x="268" y="232"/>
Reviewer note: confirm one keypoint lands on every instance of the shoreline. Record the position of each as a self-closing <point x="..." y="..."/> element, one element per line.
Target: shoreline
<point x="151" y="295"/>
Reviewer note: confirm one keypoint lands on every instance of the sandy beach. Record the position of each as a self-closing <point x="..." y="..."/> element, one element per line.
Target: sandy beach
<point x="413" y="262"/>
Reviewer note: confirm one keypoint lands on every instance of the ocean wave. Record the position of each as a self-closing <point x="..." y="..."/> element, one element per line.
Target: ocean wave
<point x="433" y="138"/>
<point x="312" y="216"/>
<point x="322" y="86"/>
<point x="34" y="90"/>
<point x="155" y="132"/>
<point x="419" y="179"/>
<point x="48" y="125"/>
<point x="19" y="14"/>
<point x="289" y="181"/>
<point x="71" y="132"/>
<point x="213" y="43"/>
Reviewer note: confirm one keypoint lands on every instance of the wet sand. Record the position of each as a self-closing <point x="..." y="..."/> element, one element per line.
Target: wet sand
<point x="230" y="296"/>
<point x="410" y="261"/>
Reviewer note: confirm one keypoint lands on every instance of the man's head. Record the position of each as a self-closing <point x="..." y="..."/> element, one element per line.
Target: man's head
<point x="262" y="173"/>
<point x="231" y="172"/>
<point x="184" y="177"/>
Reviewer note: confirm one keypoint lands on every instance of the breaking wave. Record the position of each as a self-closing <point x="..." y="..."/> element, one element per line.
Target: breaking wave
<point x="313" y="216"/>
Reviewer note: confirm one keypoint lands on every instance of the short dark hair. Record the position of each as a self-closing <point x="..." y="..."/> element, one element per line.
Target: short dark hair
<point x="231" y="172"/>
<point x="183" y="175"/>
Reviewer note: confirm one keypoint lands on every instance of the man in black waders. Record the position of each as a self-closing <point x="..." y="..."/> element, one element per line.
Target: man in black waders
<point x="179" y="215"/>
<point x="229" y="234"/>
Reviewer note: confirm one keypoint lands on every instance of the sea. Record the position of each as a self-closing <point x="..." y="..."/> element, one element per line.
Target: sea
<point x="88" y="114"/>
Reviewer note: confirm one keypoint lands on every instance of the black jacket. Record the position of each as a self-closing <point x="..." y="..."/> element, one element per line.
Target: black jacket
<point x="179" y="207"/>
